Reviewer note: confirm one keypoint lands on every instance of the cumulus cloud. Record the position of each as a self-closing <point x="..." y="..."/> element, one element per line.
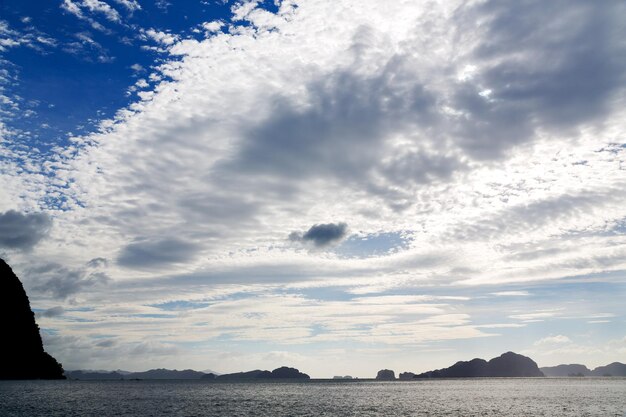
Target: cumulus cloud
<point x="321" y="235"/>
<point x="23" y="230"/>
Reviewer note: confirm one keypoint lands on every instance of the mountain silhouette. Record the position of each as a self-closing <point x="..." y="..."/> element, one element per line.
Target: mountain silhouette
<point x="566" y="370"/>
<point x="613" y="369"/>
<point x="283" y="372"/>
<point x="508" y="364"/>
<point x="21" y="349"/>
<point x="165" y="374"/>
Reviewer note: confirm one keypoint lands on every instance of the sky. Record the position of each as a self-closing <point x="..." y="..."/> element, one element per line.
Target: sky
<point x="339" y="186"/>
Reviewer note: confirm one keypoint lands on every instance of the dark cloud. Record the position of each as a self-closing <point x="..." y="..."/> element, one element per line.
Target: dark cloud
<point x="107" y="343"/>
<point x="156" y="253"/>
<point x="61" y="282"/>
<point x="549" y="66"/>
<point x="321" y="235"/>
<point x="23" y="231"/>
<point x="52" y="312"/>
<point x="540" y="67"/>
<point x="98" y="263"/>
<point x="345" y="129"/>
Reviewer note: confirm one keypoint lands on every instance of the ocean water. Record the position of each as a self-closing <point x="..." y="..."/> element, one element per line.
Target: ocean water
<point x="460" y="397"/>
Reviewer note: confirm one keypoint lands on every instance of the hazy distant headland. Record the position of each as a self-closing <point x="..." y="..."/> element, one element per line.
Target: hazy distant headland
<point x="279" y="374"/>
<point x="573" y="370"/>
<point x="507" y="365"/>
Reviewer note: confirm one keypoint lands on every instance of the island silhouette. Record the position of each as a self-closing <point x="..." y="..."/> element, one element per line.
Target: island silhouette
<point x="508" y="364"/>
<point x="21" y="349"/>
<point x="612" y="369"/>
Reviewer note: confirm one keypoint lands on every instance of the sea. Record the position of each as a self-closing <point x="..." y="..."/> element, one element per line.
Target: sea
<point x="449" y="397"/>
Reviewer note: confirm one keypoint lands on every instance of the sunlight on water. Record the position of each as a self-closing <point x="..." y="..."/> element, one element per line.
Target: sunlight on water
<point x="477" y="397"/>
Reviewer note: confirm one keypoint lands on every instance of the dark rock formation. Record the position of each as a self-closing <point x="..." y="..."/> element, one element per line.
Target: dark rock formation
<point x="21" y="348"/>
<point x="256" y="375"/>
<point x="513" y="365"/>
<point x="507" y="365"/>
<point x="209" y="377"/>
<point x="566" y="370"/>
<point x="406" y="376"/>
<point x="385" y="375"/>
<point x="285" y="372"/>
<point x="613" y="369"/>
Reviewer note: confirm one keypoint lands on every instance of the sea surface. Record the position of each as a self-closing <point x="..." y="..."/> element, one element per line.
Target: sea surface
<point x="455" y="397"/>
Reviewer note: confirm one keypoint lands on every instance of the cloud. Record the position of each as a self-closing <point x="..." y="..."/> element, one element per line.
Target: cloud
<point x="101" y="7"/>
<point x="98" y="262"/>
<point x="60" y="282"/>
<point x="137" y="68"/>
<point x="29" y="37"/>
<point x="213" y="26"/>
<point x="321" y="235"/>
<point x="85" y="46"/>
<point x="547" y="68"/>
<point x="131" y="5"/>
<point x="85" y="9"/>
<point x="511" y="293"/>
<point x="159" y="37"/>
<point x="52" y="312"/>
<point x="23" y="231"/>
<point x="553" y="340"/>
<point x="156" y="253"/>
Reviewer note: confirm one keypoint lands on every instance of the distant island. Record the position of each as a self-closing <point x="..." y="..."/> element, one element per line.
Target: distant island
<point x="508" y="364"/>
<point x="21" y="348"/>
<point x="577" y="370"/>
<point x="282" y="373"/>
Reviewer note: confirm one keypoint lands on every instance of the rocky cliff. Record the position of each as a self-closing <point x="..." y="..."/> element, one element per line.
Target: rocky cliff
<point x="385" y="375"/>
<point x="21" y="348"/>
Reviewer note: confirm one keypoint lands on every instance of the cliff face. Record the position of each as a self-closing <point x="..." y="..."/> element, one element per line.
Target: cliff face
<point x="385" y="375"/>
<point x="506" y="365"/>
<point x="21" y="348"/>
